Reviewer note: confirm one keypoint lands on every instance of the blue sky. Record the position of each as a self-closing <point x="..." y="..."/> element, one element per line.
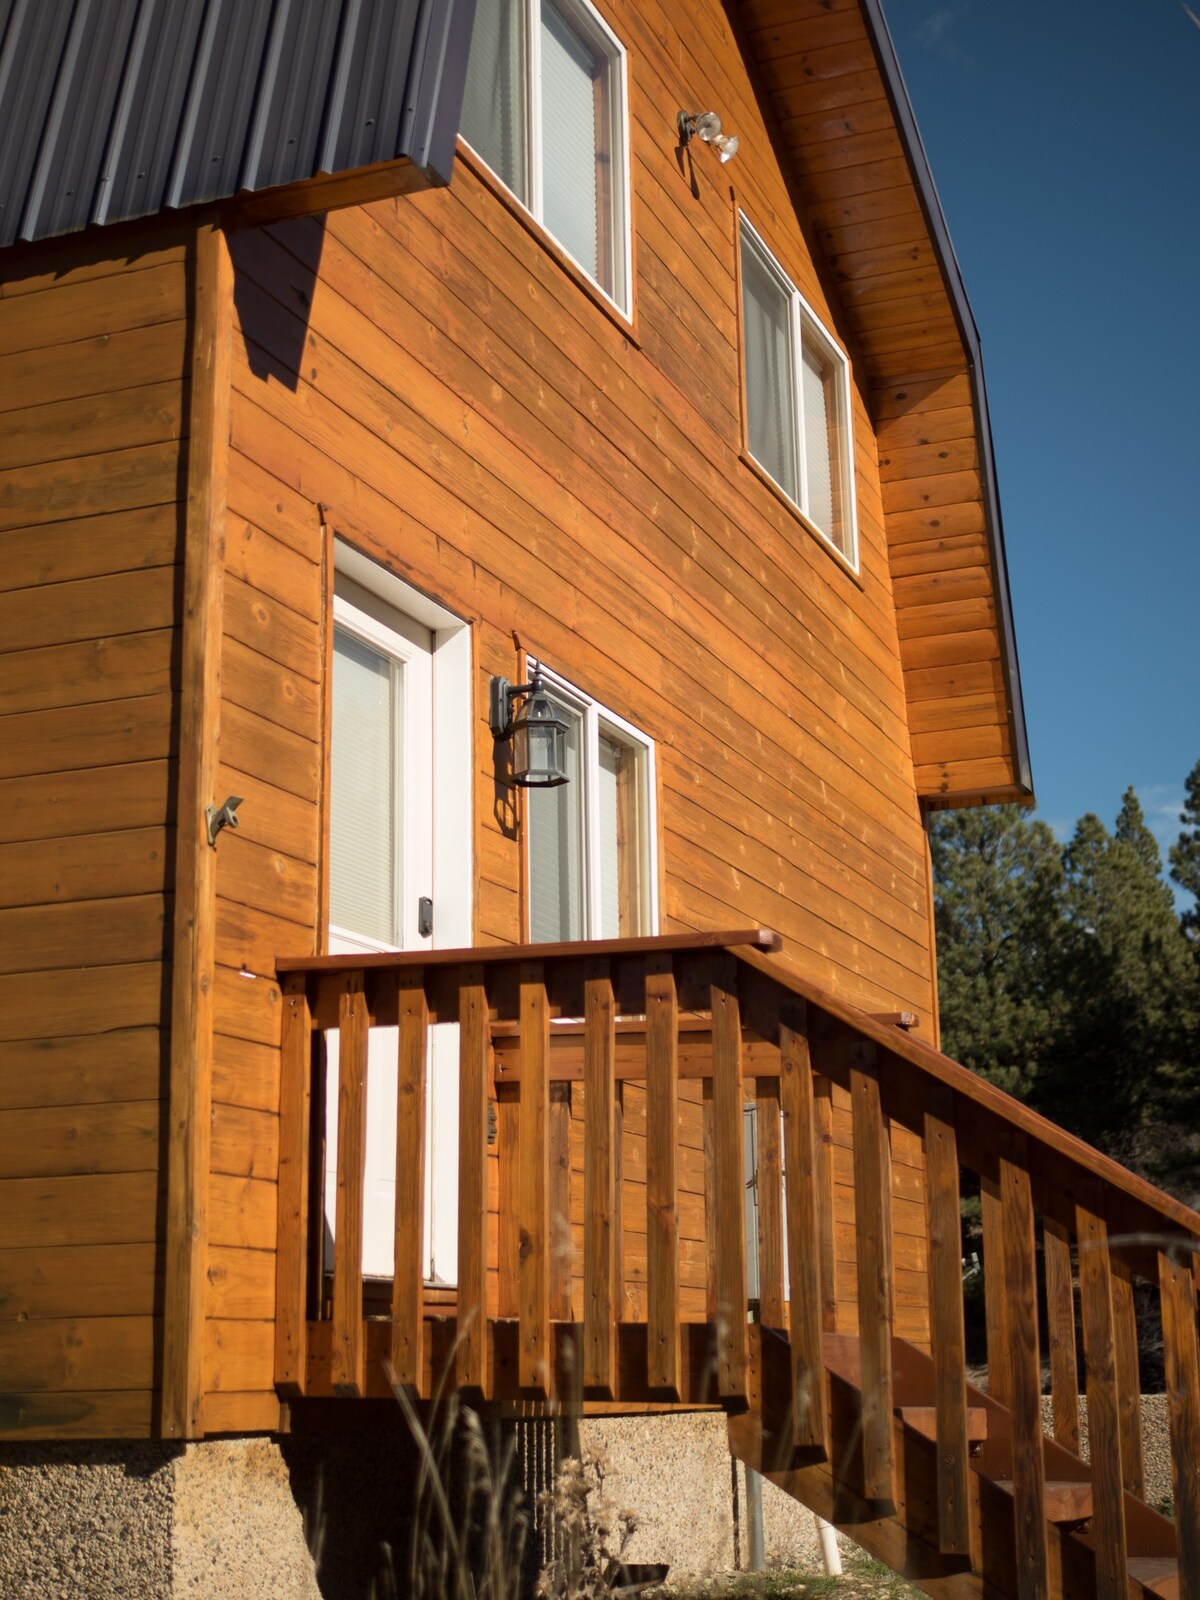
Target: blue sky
<point x="1065" y="144"/>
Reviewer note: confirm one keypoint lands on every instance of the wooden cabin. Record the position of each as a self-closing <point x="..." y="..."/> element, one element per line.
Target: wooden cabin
<point x="357" y="363"/>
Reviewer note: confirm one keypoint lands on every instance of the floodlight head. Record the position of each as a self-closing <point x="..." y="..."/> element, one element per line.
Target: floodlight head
<point x="706" y="126"/>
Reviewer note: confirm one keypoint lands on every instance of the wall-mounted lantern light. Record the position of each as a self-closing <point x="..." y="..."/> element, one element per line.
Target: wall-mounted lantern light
<point x="706" y="125"/>
<point x="536" y="732"/>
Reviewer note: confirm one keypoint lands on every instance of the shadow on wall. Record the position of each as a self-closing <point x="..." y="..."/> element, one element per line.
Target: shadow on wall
<point x="275" y="271"/>
<point x="364" y="1502"/>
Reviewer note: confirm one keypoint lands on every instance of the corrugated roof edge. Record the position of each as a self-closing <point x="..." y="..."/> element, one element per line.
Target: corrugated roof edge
<point x="106" y="134"/>
<point x="906" y="122"/>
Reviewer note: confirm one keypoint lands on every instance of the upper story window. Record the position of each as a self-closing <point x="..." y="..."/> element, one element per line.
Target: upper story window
<point x="545" y="106"/>
<point x="797" y="398"/>
<point x="592" y="840"/>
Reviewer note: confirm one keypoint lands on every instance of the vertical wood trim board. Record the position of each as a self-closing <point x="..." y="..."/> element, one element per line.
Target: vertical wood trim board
<point x="190" y="1090"/>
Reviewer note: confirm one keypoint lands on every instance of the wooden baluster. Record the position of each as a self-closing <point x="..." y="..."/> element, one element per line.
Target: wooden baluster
<point x="873" y="1236"/>
<point x="1182" y="1362"/>
<point x="508" y="1232"/>
<point x="1060" y="1316"/>
<point x="534" y="1360"/>
<point x="1019" y="1278"/>
<point x="999" y="1381"/>
<point x="710" y="1205"/>
<point x="823" y="1169"/>
<point x="769" y="1189"/>
<point x="946" y="1319"/>
<point x="729" y="1182"/>
<point x="805" y="1202"/>
<point x="601" y="1218"/>
<point x="562" y="1248"/>
<point x="1104" y="1427"/>
<point x="662" y="1184"/>
<point x="291" y="1260"/>
<point x="408" y="1278"/>
<point x="1129" y="1382"/>
<point x="348" y="1363"/>
<point x="472" y="1331"/>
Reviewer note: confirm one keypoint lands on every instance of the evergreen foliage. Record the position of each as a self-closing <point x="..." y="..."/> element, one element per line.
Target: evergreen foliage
<point x="1185" y="855"/>
<point x="1068" y="978"/>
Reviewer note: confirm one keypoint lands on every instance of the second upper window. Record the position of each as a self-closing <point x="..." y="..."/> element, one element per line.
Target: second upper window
<point x="797" y="398"/>
<point x="545" y="107"/>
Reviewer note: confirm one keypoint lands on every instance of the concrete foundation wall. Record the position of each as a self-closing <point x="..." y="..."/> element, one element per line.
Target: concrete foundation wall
<point x="326" y="1517"/>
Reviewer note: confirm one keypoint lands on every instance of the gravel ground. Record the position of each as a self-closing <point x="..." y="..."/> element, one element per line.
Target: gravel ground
<point x="862" y="1579"/>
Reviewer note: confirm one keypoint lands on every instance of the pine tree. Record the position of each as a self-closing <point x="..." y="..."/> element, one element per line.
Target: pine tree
<point x="1185" y="855"/>
<point x="997" y="881"/>
<point x="1132" y="987"/>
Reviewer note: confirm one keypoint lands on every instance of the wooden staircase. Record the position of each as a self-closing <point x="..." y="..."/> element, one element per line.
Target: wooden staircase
<point x="603" y="1250"/>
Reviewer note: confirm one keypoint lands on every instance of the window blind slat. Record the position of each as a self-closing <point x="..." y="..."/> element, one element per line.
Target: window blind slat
<point x="816" y="380"/>
<point x="493" y="114"/>
<point x="362" y="799"/>
<point x="570" y="138"/>
<point x="770" y="403"/>
<point x="611" y="758"/>
<point x="556" y="867"/>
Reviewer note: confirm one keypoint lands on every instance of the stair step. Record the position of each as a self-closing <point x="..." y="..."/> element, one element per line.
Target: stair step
<point x="1066" y="1500"/>
<point x="1159" y="1575"/>
<point x="924" y="1420"/>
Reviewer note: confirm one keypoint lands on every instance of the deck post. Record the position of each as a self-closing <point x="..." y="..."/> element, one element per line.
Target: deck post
<point x="472" y="1332"/>
<point x="946" y="1320"/>
<point x="732" y="1352"/>
<point x="349" y="1363"/>
<point x="291" y="1255"/>
<point x="601" y="1244"/>
<point x="1178" y="1290"/>
<point x="1060" y="1316"/>
<point x="810" y="1423"/>
<point x="662" y="1184"/>
<point x="408" y="1278"/>
<point x="1104" y="1424"/>
<point x="533" y="1147"/>
<point x="873" y="1244"/>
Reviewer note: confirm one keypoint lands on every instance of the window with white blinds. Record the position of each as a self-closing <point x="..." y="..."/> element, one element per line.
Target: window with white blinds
<point x="797" y="398"/>
<point x="545" y="107"/>
<point x="363" y="853"/>
<point x="592" y="872"/>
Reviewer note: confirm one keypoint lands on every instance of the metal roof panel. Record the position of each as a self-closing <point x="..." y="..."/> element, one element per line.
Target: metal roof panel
<point x="111" y="109"/>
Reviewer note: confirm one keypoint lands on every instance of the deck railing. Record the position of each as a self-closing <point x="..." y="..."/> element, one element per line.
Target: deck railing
<point x="1068" y="1236"/>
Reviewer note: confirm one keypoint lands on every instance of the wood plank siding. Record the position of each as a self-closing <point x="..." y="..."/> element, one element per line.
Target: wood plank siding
<point x="428" y="380"/>
<point x="94" y="367"/>
<point x="840" y="125"/>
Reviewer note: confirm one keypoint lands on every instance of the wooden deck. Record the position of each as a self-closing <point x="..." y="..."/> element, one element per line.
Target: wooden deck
<point x="962" y="1491"/>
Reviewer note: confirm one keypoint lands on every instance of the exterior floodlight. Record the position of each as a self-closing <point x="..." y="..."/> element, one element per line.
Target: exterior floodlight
<point x="706" y="126"/>
<point x="536" y="733"/>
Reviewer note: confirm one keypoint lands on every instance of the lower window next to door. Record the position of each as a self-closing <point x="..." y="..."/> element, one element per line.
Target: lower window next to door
<point x="591" y="841"/>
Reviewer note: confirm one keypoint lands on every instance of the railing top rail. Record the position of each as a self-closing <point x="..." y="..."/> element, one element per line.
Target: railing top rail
<point x="763" y="939"/>
<point x="986" y="1097"/>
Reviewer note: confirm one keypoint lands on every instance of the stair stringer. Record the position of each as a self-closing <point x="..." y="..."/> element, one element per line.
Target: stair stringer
<point x="903" y="1533"/>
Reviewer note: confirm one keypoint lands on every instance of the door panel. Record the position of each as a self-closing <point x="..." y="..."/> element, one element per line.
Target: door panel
<point x="380" y="864"/>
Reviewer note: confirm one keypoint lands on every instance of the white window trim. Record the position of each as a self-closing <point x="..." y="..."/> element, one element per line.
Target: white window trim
<point x="596" y="718"/>
<point x="584" y="14"/>
<point x="801" y="313"/>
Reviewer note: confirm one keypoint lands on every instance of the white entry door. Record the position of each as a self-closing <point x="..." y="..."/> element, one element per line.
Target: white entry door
<point x="381" y="893"/>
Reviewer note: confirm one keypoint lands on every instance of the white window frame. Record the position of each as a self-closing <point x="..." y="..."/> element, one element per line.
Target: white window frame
<point x="583" y="15"/>
<point x="803" y="318"/>
<point x="596" y="720"/>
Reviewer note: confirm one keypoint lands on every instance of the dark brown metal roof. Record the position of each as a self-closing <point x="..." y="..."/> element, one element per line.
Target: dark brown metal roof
<point x="112" y="109"/>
